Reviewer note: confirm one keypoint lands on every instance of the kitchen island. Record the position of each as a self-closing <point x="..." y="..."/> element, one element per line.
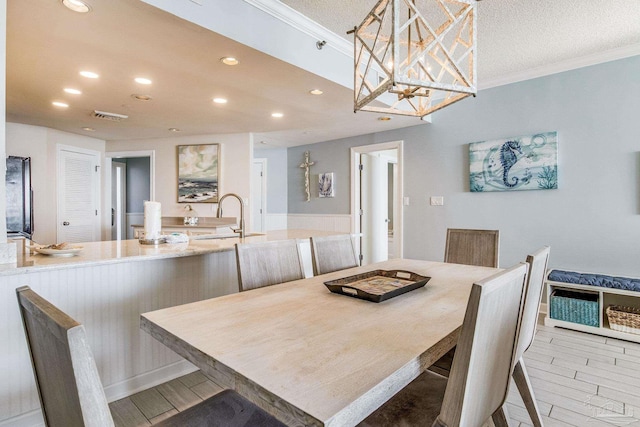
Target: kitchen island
<point x="106" y="287"/>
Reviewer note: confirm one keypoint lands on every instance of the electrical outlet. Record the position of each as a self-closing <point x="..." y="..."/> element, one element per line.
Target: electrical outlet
<point x="436" y="201"/>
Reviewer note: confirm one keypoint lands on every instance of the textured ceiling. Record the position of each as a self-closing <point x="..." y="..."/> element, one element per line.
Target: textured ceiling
<point x="516" y="35"/>
<point x="47" y="45"/>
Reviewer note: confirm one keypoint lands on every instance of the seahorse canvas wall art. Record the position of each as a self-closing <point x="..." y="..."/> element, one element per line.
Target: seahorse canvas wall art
<point x="520" y="163"/>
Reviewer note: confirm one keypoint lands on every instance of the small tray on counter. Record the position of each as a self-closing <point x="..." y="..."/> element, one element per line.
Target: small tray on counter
<point x="377" y="285"/>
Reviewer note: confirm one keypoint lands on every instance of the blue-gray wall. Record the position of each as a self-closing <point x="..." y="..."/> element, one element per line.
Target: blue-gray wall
<point x="138" y="183"/>
<point x="592" y="222"/>
<point x="276" y="178"/>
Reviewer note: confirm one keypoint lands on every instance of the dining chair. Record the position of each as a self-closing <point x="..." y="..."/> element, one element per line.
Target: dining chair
<point x="472" y="247"/>
<point x="69" y="386"/>
<point x="482" y="366"/>
<point x="529" y="320"/>
<point x="268" y="263"/>
<point x="332" y="253"/>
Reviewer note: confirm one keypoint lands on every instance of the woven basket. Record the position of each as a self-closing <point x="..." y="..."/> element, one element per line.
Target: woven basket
<point x="624" y="319"/>
<point x="575" y="307"/>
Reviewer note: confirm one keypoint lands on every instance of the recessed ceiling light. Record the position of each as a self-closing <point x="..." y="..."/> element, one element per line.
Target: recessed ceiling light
<point x="143" y="80"/>
<point x="89" y="74"/>
<point x="60" y="104"/>
<point x="76" y="5"/>
<point x="72" y="91"/>
<point x="141" y="97"/>
<point x="316" y="92"/>
<point x="219" y="100"/>
<point x="174" y="130"/>
<point x="229" y="60"/>
<point x="384" y="118"/>
<point x="89" y="129"/>
<point x="277" y="115"/>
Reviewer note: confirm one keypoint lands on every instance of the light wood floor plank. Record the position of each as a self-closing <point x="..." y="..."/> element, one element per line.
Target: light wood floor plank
<point x="550" y="367"/>
<point x="164" y="416"/>
<point x="592" y="345"/>
<point x="625" y="374"/>
<point x="151" y="403"/>
<point x="608" y="382"/>
<point x="559" y="382"/>
<point x="627" y="364"/>
<point x="206" y="389"/>
<point x="532" y="355"/>
<point x="193" y="379"/>
<point x="178" y="394"/>
<point x="560" y="352"/>
<point x="569" y="333"/>
<point x="622" y="343"/>
<point x="626" y="398"/>
<point x="126" y="414"/>
<point x="578" y="420"/>
<point x="515" y="399"/>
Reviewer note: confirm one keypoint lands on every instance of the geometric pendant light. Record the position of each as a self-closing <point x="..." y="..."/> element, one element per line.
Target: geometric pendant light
<point x="413" y="57"/>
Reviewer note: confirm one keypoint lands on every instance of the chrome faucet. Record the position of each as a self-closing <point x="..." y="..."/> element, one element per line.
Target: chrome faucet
<point x="239" y="230"/>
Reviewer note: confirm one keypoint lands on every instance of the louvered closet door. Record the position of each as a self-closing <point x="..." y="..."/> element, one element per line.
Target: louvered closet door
<point x="78" y="196"/>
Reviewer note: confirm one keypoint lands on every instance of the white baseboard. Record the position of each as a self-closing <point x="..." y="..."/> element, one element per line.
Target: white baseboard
<point x="114" y="391"/>
<point x="147" y="380"/>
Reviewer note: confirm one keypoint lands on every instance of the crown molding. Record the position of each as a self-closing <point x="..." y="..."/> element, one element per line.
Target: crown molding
<point x="300" y="22"/>
<point x="307" y="26"/>
<point x="562" y="66"/>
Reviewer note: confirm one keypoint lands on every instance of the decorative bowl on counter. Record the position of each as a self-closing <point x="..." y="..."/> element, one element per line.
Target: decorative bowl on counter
<point x="62" y="251"/>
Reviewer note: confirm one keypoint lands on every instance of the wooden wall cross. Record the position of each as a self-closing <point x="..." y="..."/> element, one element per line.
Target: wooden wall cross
<point x="306" y="164"/>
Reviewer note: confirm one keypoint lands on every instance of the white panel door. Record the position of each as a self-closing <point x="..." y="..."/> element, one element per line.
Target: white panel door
<point x="258" y="196"/>
<point x="78" y="195"/>
<point x="373" y="194"/>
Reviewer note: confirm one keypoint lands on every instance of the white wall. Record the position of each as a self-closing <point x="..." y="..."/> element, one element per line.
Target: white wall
<point x="40" y="143"/>
<point x="235" y="170"/>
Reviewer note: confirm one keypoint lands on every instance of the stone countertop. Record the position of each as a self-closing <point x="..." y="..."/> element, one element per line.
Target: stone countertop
<point x="116" y="251"/>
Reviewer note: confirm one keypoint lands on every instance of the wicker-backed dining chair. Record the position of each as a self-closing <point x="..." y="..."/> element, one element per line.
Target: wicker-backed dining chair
<point x="332" y="253"/>
<point x="268" y="263"/>
<point x="69" y="385"/>
<point x="472" y="247"/>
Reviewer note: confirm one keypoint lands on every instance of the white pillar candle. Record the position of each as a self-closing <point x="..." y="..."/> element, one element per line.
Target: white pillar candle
<point x="152" y="220"/>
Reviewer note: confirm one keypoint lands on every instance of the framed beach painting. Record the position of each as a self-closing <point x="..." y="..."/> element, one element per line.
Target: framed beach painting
<point x="518" y="163"/>
<point x="198" y="173"/>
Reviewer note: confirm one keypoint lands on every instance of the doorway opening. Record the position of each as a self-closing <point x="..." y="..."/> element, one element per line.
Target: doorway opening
<point x="132" y="182"/>
<point x="376" y="205"/>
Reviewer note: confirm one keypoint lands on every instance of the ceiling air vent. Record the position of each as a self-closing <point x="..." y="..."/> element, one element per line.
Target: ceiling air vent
<point x="108" y="116"/>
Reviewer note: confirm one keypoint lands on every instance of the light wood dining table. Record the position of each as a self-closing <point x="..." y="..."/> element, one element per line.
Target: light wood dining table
<point x="312" y="357"/>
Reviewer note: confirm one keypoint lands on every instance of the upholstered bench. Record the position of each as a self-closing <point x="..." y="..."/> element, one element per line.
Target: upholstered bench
<point x="596" y="303"/>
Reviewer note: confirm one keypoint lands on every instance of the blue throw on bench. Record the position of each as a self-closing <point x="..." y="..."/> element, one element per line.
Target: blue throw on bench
<point x="602" y="280"/>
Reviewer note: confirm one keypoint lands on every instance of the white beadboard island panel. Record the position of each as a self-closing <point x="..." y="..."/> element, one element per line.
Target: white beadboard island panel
<point x="106" y="288"/>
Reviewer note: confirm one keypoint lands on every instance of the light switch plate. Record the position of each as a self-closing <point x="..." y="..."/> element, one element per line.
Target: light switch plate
<point x="406" y="201"/>
<point x="436" y="201"/>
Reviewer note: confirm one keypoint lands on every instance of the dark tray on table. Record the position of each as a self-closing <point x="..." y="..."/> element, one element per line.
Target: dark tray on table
<point x="378" y="285"/>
